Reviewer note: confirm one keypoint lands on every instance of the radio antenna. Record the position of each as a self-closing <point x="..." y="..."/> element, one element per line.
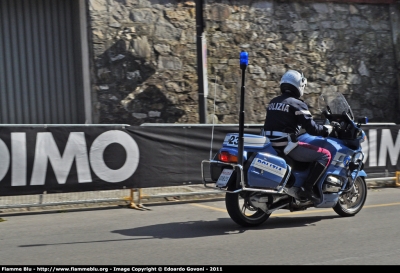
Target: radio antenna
<point x="212" y="130"/>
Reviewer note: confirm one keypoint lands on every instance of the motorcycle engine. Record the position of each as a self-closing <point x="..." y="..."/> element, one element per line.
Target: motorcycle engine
<point x="332" y="184"/>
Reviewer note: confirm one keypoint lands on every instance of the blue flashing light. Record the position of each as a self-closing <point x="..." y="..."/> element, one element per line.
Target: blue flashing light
<point x="244" y="58"/>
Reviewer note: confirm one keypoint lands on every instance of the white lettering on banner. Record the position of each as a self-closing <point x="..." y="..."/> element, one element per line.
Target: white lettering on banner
<point x="46" y="151"/>
<point x="387" y="146"/>
<point x="4" y="159"/>
<point x="372" y="154"/>
<point x="46" y="147"/>
<point x="96" y="156"/>
<point x="365" y="148"/>
<point x="19" y="160"/>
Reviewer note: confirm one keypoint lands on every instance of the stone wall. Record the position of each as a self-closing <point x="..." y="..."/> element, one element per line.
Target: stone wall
<point x="144" y="57"/>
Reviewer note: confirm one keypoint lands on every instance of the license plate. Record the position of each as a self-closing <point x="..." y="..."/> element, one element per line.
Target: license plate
<point x="224" y="178"/>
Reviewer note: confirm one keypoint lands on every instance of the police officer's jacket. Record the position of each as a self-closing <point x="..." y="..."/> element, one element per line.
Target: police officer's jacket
<point x="288" y="115"/>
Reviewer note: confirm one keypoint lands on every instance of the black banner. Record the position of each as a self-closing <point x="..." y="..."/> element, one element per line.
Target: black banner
<point x="172" y="155"/>
<point x="60" y="159"/>
<point x="56" y="159"/>
<point x="381" y="149"/>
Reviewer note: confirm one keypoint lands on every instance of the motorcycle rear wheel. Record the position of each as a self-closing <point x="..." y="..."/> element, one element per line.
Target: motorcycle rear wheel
<point x="350" y="203"/>
<point x="242" y="213"/>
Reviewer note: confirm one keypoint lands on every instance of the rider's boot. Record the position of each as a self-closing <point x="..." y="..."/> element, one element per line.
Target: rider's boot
<point x="315" y="174"/>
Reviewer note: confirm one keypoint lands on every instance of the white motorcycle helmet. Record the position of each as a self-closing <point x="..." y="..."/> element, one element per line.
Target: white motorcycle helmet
<point x="293" y="81"/>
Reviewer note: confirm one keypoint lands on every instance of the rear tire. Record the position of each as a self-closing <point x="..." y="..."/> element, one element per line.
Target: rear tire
<point x="350" y="203"/>
<point x="242" y="213"/>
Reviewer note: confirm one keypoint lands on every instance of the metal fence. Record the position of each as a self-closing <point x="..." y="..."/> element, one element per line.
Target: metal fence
<point x="133" y="198"/>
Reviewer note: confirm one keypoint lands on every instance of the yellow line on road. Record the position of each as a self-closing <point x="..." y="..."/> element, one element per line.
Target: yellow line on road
<point x="382" y="205"/>
<point x="315" y="210"/>
<point x="281" y="214"/>
<point x="208" y="207"/>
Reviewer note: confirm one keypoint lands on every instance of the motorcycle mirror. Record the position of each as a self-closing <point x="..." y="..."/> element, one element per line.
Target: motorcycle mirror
<point x="363" y="120"/>
<point x="327" y="115"/>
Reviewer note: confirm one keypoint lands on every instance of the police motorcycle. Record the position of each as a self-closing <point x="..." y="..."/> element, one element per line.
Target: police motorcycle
<point x="258" y="179"/>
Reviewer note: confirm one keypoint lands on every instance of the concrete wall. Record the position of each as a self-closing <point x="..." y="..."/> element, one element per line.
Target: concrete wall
<point x="144" y="57"/>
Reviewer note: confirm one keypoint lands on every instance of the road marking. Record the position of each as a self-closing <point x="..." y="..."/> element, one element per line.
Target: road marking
<point x="382" y="205"/>
<point x="272" y="215"/>
<point x="208" y="207"/>
<point x="315" y="210"/>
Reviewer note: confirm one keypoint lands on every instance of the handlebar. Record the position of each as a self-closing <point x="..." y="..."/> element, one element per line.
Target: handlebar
<point x="343" y="126"/>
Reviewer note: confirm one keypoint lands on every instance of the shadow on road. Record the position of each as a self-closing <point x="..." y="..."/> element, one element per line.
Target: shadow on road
<point x="221" y="226"/>
<point x="196" y="229"/>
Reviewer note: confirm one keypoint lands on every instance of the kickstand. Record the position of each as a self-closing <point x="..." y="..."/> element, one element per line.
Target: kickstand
<point x="143" y="207"/>
<point x="132" y="204"/>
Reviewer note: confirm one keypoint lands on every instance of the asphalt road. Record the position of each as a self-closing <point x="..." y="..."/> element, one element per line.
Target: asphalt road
<point x="201" y="233"/>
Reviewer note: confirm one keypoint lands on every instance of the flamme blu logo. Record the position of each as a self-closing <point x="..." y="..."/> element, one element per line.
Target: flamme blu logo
<point x="269" y="167"/>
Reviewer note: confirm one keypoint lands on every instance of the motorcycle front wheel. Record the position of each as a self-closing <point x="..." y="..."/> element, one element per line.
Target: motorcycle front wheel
<point x="350" y="203"/>
<point x="241" y="211"/>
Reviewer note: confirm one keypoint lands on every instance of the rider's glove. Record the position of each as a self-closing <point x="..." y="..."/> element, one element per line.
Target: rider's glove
<point x="335" y="128"/>
<point x="327" y="130"/>
<point x="335" y="125"/>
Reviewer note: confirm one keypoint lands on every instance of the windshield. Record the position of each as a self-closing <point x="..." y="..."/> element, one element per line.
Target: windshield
<point x="334" y="103"/>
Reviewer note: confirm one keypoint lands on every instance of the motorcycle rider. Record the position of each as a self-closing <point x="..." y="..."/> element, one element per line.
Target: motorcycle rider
<point x="286" y="115"/>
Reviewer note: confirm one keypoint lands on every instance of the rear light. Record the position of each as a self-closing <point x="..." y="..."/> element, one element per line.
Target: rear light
<point x="227" y="157"/>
